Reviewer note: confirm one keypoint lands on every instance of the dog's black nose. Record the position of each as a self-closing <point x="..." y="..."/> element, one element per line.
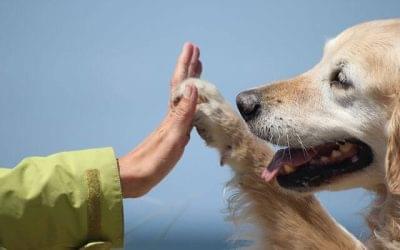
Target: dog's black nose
<point x="248" y="103"/>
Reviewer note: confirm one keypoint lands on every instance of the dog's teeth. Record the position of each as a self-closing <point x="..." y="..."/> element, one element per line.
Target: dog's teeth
<point x="346" y="147"/>
<point x="335" y="154"/>
<point x="324" y="159"/>
<point x="354" y="159"/>
<point x="288" y="168"/>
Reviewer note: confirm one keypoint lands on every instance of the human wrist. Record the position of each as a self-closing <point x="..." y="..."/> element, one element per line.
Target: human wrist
<point x="149" y="162"/>
<point x="134" y="182"/>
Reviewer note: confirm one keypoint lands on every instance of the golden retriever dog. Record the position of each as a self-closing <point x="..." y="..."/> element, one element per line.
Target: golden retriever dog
<point x="339" y="128"/>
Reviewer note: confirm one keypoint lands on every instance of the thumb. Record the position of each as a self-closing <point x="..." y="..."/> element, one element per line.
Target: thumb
<point x="183" y="112"/>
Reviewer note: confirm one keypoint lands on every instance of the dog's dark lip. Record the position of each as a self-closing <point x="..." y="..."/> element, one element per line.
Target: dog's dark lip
<point x="310" y="176"/>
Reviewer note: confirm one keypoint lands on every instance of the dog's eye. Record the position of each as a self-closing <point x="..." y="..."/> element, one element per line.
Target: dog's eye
<point x="339" y="80"/>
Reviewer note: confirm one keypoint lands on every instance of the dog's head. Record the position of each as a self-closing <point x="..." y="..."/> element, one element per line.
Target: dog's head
<point x="333" y="120"/>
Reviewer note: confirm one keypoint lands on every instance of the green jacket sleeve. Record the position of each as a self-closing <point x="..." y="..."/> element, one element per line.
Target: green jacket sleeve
<point x="68" y="200"/>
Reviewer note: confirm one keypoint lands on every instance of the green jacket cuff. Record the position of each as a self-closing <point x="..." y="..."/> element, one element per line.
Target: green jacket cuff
<point x="66" y="200"/>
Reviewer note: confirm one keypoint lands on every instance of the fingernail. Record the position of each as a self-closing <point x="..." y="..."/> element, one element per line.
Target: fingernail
<point x="188" y="91"/>
<point x="186" y="46"/>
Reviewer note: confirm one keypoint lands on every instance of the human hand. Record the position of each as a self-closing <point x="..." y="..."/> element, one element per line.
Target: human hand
<point x="147" y="164"/>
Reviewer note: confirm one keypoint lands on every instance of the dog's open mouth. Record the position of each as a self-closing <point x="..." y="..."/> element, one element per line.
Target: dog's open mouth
<point x="297" y="168"/>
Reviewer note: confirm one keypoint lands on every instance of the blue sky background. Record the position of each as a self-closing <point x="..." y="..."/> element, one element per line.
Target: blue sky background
<point x="83" y="74"/>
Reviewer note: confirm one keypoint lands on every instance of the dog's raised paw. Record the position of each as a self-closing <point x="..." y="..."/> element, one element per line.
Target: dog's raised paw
<point x="215" y="120"/>
<point x="209" y="102"/>
<point x="206" y="91"/>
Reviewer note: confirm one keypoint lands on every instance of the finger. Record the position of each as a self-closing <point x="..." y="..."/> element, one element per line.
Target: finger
<point x="198" y="70"/>
<point x="182" y="65"/>
<point x="184" y="112"/>
<point x="194" y="61"/>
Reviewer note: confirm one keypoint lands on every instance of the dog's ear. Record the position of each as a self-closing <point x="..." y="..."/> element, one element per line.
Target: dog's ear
<point x="393" y="150"/>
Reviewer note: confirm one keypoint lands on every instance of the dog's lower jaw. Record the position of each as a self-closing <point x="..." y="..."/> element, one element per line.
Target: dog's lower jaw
<point x="284" y="220"/>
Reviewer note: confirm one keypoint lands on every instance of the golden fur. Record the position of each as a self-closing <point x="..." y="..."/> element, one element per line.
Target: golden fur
<point x="287" y="219"/>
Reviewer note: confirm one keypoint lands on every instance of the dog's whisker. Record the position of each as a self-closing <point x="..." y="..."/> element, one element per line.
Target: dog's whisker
<point x="271" y="134"/>
<point x="305" y="153"/>
<point x="288" y="144"/>
<point x="279" y="136"/>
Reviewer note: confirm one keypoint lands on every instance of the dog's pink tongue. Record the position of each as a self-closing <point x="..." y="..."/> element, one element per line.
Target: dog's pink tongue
<point x="294" y="157"/>
<point x="269" y="175"/>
